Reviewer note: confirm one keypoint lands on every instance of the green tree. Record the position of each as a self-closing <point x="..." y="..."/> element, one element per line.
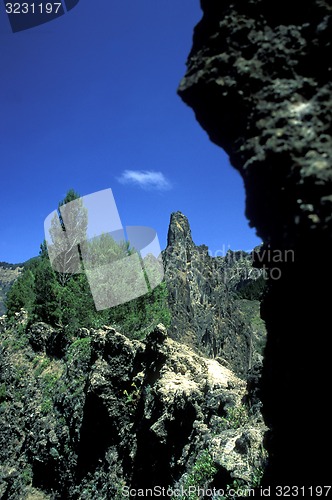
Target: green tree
<point x="65" y="299"/>
<point x="139" y="316"/>
<point x="22" y="294"/>
<point x="77" y="306"/>
<point x="113" y="270"/>
<point x="103" y="249"/>
<point x="47" y="306"/>
<point x="68" y="230"/>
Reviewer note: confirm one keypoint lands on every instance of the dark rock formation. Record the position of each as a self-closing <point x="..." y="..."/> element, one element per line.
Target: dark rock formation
<point x="259" y="81"/>
<point x="111" y="413"/>
<point x="204" y="313"/>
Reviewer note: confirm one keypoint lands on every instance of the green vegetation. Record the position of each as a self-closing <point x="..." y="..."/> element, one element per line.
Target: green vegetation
<point x="251" y="289"/>
<point x="22" y="293"/>
<point x="203" y="470"/>
<point x="242" y="488"/>
<point x="139" y="316"/>
<point x="17" y="338"/>
<point x="251" y="313"/>
<point x="201" y="474"/>
<point x="133" y="395"/>
<point x="27" y="475"/>
<point x="238" y="486"/>
<point x="41" y="363"/>
<point x="79" y="352"/>
<point x="237" y="416"/>
<point x="3" y="392"/>
<point x="257" y="476"/>
<point x="63" y="299"/>
<point x="49" y="385"/>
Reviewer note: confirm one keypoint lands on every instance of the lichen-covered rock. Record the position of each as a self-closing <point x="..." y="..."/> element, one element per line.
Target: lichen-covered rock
<point x="259" y="81"/>
<point x="39" y="335"/>
<point x="114" y="413"/>
<point x="257" y="88"/>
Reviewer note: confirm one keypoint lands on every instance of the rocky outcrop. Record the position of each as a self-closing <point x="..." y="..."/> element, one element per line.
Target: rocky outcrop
<point x="259" y="81"/>
<point x="111" y="413"/>
<point x="257" y="87"/>
<point x="204" y="312"/>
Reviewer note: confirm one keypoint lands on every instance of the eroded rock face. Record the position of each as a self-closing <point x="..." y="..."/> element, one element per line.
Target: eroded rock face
<point x="259" y="81"/>
<point x="114" y="413"/>
<point x="204" y="313"/>
<point x="214" y="303"/>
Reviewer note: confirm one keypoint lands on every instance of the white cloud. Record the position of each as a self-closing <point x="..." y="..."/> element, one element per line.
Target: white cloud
<point x="146" y="179"/>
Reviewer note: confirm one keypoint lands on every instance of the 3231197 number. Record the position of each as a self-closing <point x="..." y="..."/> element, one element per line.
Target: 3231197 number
<point x="302" y="491"/>
<point x="33" y="8"/>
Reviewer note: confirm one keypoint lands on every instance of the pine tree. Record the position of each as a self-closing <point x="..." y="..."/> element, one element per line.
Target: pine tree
<point x="22" y="294"/>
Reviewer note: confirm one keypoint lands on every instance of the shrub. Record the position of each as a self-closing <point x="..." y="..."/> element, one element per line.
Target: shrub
<point x="237" y="416"/>
<point x="200" y="476"/>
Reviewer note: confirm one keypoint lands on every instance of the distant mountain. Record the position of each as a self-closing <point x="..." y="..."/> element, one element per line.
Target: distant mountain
<point x="8" y="274"/>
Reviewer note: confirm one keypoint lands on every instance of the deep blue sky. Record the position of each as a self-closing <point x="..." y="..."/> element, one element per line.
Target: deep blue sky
<point x="92" y="95"/>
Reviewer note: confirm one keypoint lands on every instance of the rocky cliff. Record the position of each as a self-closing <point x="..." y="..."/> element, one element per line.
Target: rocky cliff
<point x="204" y="310"/>
<point x="259" y="81"/>
<point x="91" y="416"/>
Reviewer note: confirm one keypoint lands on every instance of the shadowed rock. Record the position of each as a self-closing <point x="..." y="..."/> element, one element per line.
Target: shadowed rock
<point x="259" y="81"/>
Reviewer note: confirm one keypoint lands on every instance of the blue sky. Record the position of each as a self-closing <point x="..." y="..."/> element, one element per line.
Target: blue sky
<point x="88" y="101"/>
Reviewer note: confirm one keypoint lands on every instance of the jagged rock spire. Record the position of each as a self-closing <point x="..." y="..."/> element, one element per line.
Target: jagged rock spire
<point x="179" y="230"/>
<point x="202" y="310"/>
